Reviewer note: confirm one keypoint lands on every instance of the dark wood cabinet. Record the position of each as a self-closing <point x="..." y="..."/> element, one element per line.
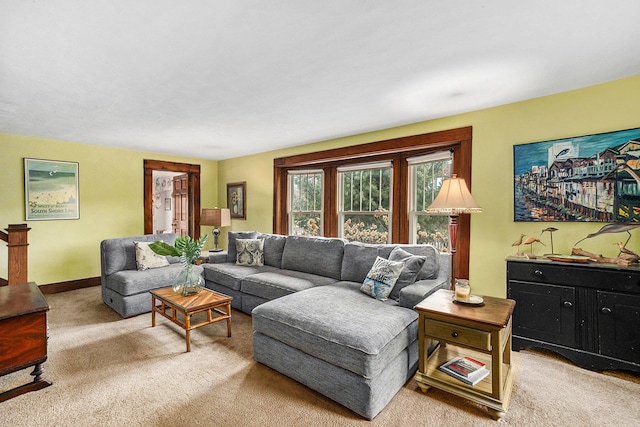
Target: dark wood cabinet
<point x="589" y="313"/>
<point x="23" y="335"/>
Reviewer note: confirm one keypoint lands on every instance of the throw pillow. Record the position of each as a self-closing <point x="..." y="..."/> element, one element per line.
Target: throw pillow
<point x="412" y="266"/>
<point x="250" y="252"/>
<point x="146" y="258"/>
<point x="381" y="278"/>
<point x="232" y="254"/>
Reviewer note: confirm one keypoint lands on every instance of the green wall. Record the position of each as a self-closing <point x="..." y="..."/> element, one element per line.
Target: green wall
<point x="602" y="108"/>
<point x="111" y="203"/>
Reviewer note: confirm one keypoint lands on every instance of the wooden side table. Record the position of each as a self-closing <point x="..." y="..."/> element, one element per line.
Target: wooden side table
<point x="483" y="333"/>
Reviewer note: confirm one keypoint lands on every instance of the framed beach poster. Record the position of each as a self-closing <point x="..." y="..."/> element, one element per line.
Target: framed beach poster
<point x="51" y="190"/>
<point x="586" y="178"/>
<point x="237" y="199"/>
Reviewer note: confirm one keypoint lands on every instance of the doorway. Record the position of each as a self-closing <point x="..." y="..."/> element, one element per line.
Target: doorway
<point x="188" y="205"/>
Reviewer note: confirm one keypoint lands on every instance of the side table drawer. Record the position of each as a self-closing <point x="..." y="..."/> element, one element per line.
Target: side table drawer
<point x="458" y="334"/>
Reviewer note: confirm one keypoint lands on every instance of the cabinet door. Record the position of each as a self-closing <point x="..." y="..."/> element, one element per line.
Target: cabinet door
<point x="544" y="312"/>
<point x="619" y="325"/>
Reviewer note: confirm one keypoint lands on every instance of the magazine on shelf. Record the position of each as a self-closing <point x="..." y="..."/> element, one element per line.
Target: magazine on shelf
<point x="466" y="369"/>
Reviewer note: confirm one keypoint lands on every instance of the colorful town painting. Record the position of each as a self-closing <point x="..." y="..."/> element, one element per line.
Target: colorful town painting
<point x="586" y="178"/>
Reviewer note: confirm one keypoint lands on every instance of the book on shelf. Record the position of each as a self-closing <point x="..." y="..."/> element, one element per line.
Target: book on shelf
<point x="466" y="369"/>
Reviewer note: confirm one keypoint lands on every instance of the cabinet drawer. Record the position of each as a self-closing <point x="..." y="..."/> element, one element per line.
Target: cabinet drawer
<point x="586" y="275"/>
<point x="458" y="334"/>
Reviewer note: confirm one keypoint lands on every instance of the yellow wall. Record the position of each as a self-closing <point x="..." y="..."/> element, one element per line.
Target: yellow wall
<point x="111" y="184"/>
<point x="111" y="204"/>
<point x="602" y="108"/>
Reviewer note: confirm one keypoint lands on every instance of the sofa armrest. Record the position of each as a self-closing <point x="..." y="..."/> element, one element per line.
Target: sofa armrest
<point x="412" y="295"/>
<point x="217" y="257"/>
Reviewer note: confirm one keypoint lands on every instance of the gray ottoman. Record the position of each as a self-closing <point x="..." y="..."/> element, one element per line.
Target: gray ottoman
<point x="340" y="342"/>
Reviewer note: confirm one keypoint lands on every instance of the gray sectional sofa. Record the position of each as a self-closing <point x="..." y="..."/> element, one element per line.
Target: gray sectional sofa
<point x="312" y="322"/>
<point x="125" y="288"/>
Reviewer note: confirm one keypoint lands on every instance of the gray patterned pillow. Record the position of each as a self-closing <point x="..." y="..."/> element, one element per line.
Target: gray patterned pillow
<point x="250" y="252"/>
<point x="146" y="258"/>
<point x="381" y="278"/>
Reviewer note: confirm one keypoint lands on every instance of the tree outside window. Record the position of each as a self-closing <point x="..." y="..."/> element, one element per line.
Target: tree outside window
<point x="427" y="176"/>
<point x="305" y="203"/>
<point x="365" y="204"/>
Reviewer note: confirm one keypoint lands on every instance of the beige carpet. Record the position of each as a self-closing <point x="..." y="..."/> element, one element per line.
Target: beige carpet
<point x="109" y="371"/>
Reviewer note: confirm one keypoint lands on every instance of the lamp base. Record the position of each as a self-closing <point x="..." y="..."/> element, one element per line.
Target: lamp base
<point x="216" y="250"/>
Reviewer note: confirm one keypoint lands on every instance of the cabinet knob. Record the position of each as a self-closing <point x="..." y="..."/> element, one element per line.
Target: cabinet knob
<point x="454" y="334"/>
<point x="538" y="272"/>
<point x="568" y="304"/>
<point x="605" y="310"/>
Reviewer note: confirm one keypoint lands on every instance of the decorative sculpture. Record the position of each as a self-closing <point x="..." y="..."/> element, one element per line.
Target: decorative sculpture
<point x="517" y="243"/>
<point x="530" y="241"/>
<point x="550" y="230"/>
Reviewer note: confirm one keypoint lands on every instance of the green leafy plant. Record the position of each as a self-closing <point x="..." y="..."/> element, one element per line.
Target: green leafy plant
<point x="185" y="247"/>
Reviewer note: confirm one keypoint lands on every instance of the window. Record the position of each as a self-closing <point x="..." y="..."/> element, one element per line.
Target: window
<point x="400" y="215"/>
<point x="364" y="204"/>
<point x="426" y="176"/>
<point x="305" y="203"/>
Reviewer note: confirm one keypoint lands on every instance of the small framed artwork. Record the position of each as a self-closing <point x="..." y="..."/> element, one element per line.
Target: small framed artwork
<point x="237" y="199"/>
<point x="51" y="190"/>
<point x="167" y="204"/>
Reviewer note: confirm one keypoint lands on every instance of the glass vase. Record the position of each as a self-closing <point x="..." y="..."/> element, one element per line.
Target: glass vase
<point x="188" y="282"/>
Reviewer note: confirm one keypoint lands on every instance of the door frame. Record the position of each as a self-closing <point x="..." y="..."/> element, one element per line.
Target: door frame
<point x="193" y="181"/>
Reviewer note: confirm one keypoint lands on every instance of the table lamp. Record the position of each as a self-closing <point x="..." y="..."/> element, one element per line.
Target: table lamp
<point x="453" y="199"/>
<point x="218" y="218"/>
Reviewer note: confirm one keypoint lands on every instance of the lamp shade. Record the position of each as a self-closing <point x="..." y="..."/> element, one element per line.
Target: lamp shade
<point x="453" y="199"/>
<point x="215" y="216"/>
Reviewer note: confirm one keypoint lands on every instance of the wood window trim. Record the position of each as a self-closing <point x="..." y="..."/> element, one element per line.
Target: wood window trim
<point x="193" y="172"/>
<point x="397" y="150"/>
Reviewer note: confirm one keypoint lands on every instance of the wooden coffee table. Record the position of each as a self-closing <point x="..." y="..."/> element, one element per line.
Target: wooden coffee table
<point x="217" y="306"/>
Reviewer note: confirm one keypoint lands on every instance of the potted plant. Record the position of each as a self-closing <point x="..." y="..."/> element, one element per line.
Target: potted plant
<point x="187" y="282"/>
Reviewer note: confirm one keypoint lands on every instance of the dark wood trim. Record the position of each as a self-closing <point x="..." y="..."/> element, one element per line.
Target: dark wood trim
<point x="385" y="149"/>
<point x="54" y="288"/>
<point x="397" y="150"/>
<point x="193" y="173"/>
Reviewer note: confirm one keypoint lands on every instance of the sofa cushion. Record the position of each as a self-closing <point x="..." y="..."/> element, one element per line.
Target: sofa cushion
<point x="273" y="248"/>
<point x="146" y="258"/>
<point x="275" y="284"/>
<point x="250" y="252"/>
<point x="131" y="282"/>
<point x="231" y="275"/>
<point x="412" y="266"/>
<point x="232" y="253"/>
<point x="357" y="261"/>
<point x="340" y="325"/>
<point x="381" y="278"/>
<point x="315" y="255"/>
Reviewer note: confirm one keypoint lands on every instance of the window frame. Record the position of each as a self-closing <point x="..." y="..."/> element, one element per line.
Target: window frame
<point x="361" y="167"/>
<point x="396" y="150"/>
<point x="413" y="163"/>
<point x="290" y="212"/>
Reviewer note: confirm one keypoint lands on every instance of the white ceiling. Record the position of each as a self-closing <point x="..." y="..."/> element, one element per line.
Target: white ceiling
<point x="223" y="78"/>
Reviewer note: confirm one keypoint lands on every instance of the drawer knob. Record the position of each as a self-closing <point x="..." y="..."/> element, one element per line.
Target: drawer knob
<point x="454" y="334"/>
<point x="538" y="272"/>
<point x="568" y="304"/>
<point x="605" y="310"/>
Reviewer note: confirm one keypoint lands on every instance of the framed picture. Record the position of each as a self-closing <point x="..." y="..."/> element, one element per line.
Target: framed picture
<point x="237" y="199"/>
<point x="51" y="190"/>
<point x="586" y="178"/>
<point x="167" y="204"/>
